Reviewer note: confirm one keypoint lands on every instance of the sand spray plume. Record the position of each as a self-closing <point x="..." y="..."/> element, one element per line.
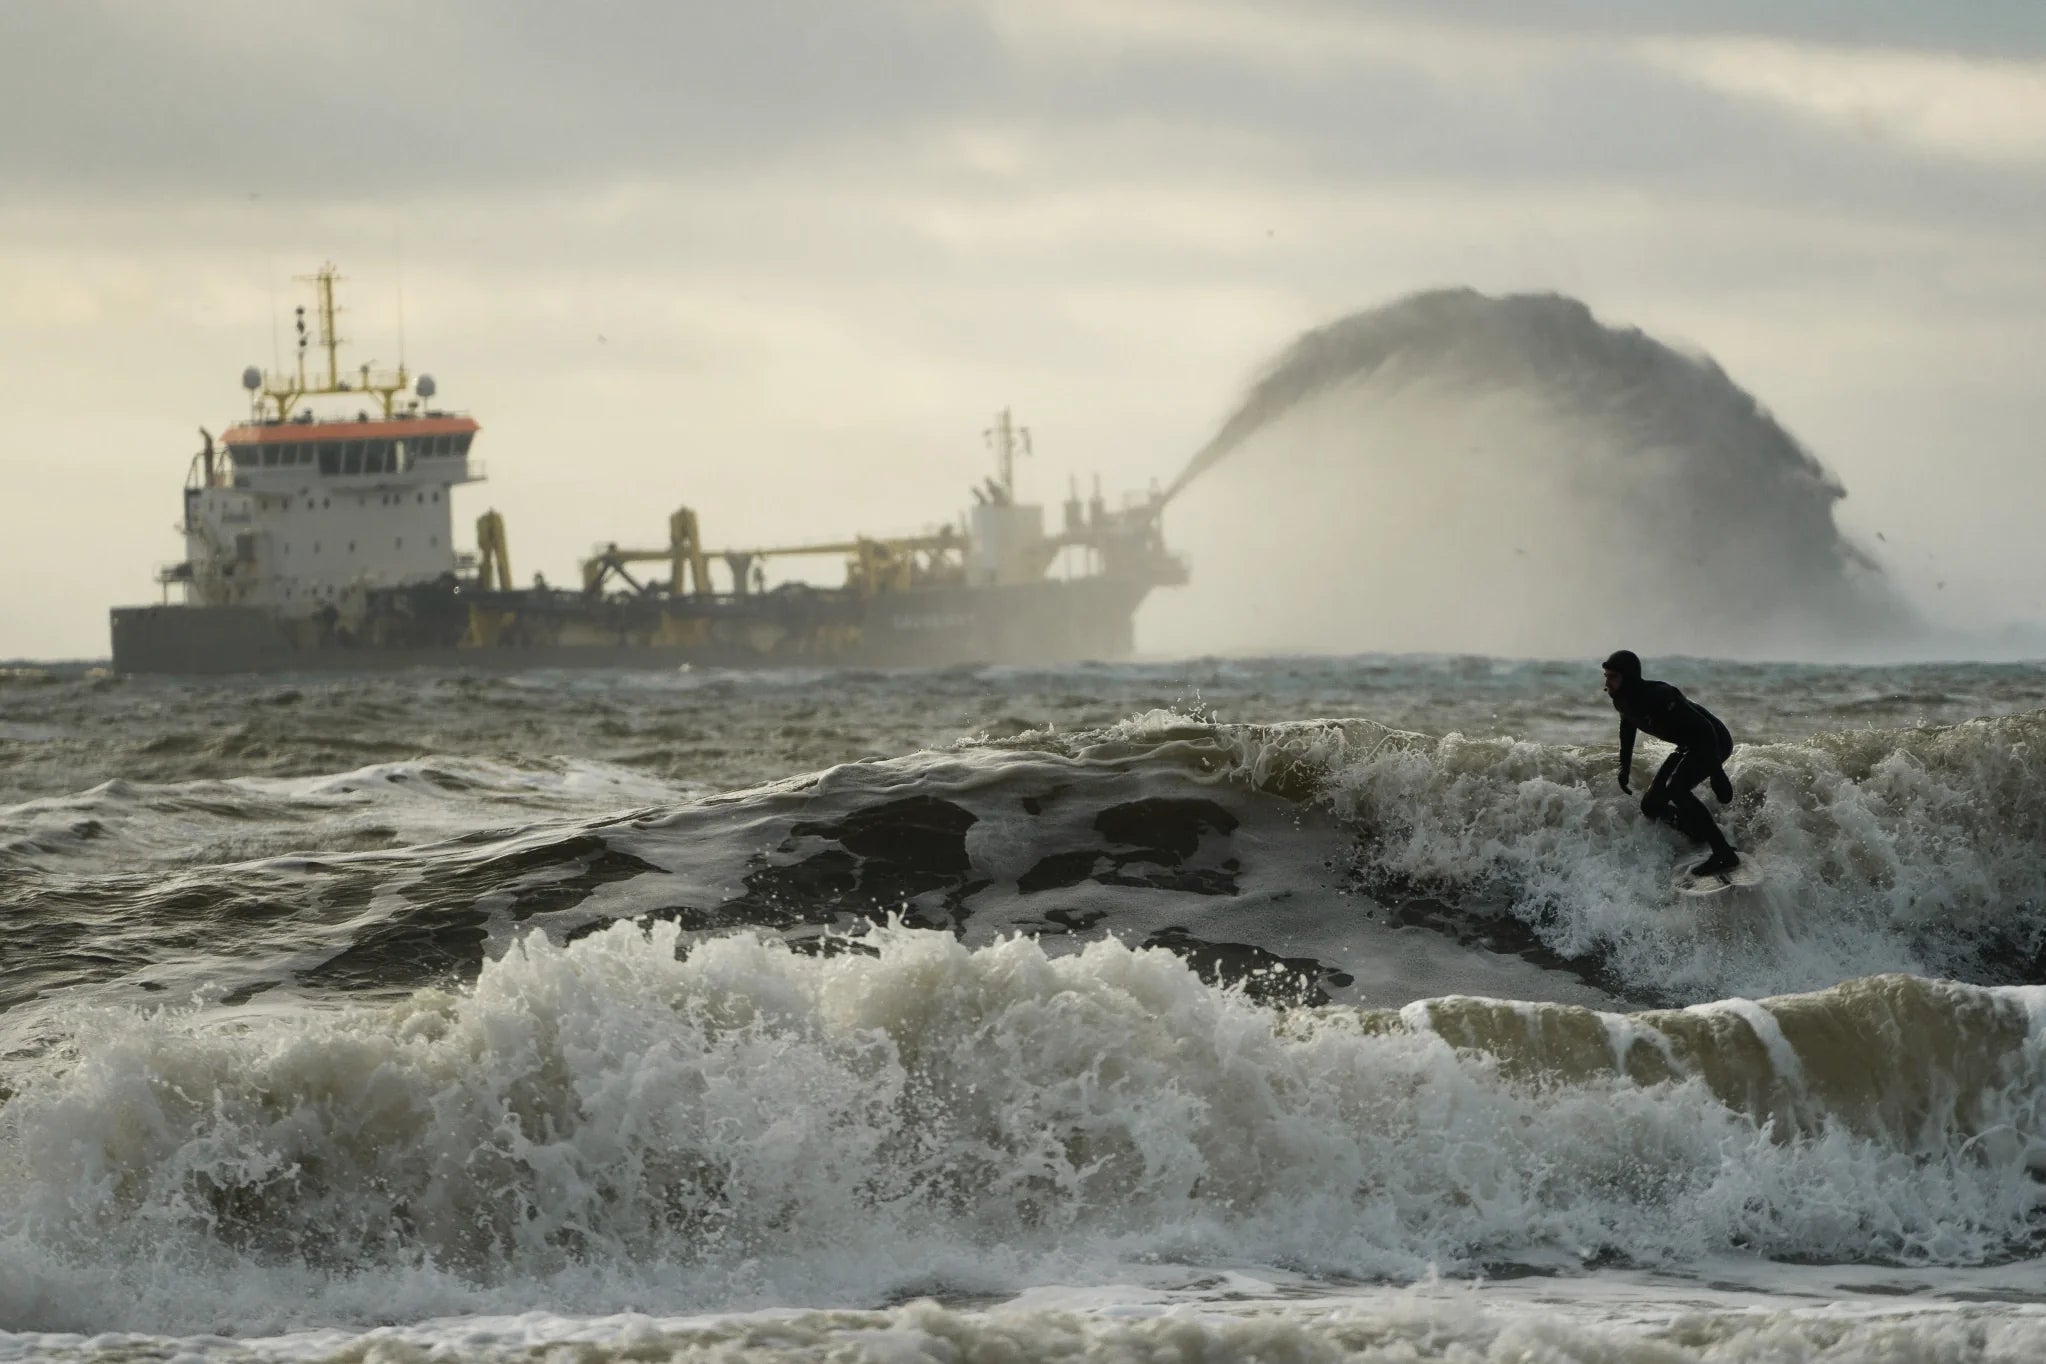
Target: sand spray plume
<point x="1511" y="475"/>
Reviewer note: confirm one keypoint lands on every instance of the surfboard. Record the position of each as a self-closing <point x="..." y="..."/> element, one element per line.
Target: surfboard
<point x="1748" y="873"/>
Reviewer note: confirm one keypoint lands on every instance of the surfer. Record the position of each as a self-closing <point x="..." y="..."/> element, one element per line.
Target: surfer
<point x="1703" y="746"/>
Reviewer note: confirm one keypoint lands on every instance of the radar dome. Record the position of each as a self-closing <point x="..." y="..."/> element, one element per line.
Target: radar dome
<point x="425" y="387"/>
<point x="252" y="378"/>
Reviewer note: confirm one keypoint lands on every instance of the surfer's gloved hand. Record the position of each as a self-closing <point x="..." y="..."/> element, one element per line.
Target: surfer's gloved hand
<point x="1722" y="785"/>
<point x="1623" y="784"/>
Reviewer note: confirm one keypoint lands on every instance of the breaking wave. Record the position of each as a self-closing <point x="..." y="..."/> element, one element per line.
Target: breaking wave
<point x="618" y="1123"/>
<point x="1312" y="849"/>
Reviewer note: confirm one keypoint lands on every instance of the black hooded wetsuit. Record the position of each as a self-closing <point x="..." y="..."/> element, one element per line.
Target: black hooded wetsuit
<point x="1703" y="746"/>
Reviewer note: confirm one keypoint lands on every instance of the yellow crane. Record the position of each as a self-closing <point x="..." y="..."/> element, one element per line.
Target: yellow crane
<point x="493" y="552"/>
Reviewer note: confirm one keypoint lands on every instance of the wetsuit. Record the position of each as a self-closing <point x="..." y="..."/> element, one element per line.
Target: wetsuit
<point x="1703" y="746"/>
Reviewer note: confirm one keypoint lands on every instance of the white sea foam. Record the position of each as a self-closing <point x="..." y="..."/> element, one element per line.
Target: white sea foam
<point x="603" y="1126"/>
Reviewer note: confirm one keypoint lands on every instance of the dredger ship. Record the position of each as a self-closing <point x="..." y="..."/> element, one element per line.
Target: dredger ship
<point x="325" y="542"/>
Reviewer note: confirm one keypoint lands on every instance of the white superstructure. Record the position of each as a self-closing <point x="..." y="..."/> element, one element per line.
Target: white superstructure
<point x="294" y="515"/>
<point x="298" y="514"/>
<point x="1009" y="543"/>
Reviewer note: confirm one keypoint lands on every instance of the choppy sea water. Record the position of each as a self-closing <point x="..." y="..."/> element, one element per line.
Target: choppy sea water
<point x="1280" y="1008"/>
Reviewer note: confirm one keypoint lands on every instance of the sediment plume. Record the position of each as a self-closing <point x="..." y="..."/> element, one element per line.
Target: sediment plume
<point x="1511" y="475"/>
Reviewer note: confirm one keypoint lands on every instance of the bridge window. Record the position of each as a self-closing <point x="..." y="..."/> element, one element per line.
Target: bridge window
<point x="351" y="457"/>
<point x="461" y="443"/>
<point x="330" y="458"/>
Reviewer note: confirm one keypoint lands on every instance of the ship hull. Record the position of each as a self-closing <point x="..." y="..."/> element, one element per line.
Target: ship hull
<point x="1041" y="622"/>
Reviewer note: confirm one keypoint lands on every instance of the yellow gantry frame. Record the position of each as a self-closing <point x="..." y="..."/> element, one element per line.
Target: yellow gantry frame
<point x="684" y="557"/>
<point x="873" y="565"/>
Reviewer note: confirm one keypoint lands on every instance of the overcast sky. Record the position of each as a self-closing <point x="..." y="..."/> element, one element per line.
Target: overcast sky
<point x="781" y="260"/>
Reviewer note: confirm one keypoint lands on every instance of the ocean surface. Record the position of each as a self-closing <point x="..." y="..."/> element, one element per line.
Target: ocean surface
<point x="1278" y="1009"/>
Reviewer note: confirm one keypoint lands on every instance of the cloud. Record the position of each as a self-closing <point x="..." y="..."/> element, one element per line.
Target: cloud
<point x="1947" y="105"/>
<point x="381" y="98"/>
<point x="1979" y="28"/>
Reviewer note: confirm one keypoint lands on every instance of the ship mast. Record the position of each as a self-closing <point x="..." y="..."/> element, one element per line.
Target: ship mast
<point x="1007" y="440"/>
<point x="283" y="395"/>
<point x="330" y="339"/>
